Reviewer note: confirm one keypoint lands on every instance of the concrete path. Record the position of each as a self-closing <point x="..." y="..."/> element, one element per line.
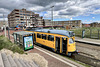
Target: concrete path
<point x="87" y="40"/>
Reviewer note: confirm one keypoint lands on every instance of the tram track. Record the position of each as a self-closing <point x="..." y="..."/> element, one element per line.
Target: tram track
<point x="63" y="58"/>
<point x="85" y="57"/>
<point x="89" y="54"/>
<point x="90" y="50"/>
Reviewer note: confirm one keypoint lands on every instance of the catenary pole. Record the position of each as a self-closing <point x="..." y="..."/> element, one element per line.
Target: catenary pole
<point x="4" y="25"/>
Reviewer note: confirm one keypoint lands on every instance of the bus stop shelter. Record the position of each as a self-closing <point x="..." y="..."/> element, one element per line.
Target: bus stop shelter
<point x="24" y="39"/>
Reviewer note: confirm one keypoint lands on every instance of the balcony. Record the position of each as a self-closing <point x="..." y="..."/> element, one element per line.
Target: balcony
<point x="17" y="16"/>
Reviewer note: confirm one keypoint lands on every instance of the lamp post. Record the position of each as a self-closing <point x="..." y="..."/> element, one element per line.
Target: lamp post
<point x="4" y="25"/>
<point x="52" y="15"/>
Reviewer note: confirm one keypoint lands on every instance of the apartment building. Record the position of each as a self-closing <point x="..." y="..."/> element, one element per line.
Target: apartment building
<point x="24" y="18"/>
<point x="69" y="24"/>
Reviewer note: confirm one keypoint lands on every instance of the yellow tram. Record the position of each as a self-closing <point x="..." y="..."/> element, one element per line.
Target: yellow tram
<point x="61" y="41"/>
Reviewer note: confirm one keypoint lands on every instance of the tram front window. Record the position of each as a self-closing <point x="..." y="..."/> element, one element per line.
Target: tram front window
<point x="71" y="41"/>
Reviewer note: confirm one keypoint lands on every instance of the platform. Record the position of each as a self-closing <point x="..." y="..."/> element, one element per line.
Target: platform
<point x="87" y="40"/>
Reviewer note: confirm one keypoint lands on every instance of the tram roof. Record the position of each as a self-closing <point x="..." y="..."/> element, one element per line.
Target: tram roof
<point x="54" y="31"/>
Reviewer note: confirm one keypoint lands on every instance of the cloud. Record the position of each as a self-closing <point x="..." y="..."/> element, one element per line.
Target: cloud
<point x="96" y="11"/>
<point x="93" y="17"/>
<point x="62" y="9"/>
<point x="44" y="3"/>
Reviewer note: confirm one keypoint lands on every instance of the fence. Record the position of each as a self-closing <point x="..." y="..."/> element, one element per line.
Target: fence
<point x="88" y="33"/>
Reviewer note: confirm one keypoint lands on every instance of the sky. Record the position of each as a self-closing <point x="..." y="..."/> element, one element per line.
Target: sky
<point x="86" y="10"/>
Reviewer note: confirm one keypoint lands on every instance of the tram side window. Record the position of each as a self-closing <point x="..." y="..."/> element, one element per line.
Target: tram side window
<point x="43" y="36"/>
<point x="50" y="37"/>
<point x="38" y="35"/>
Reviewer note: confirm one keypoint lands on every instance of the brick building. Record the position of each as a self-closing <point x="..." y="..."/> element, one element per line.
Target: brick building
<point x="70" y="23"/>
<point x="95" y="24"/>
<point x="47" y="22"/>
<point x="24" y="17"/>
<point x="85" y="25"/>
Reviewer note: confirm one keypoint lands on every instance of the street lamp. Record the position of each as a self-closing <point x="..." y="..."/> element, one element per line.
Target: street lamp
<point x="52" y="15"/>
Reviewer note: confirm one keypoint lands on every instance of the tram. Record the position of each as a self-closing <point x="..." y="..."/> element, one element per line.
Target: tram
<point x="61" y="41"/>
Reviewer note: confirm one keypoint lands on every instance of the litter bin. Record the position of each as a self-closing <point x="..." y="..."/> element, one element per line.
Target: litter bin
<point x="24" y="39"/>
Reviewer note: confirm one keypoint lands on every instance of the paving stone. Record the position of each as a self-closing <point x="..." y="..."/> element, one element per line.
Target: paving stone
<point x="27" y="63"/>
<point x="18" y="63"/>
<point x="35" y="64"/>
<point x="5" y="60"/>
<point x="1" y="61"/>
<point x="12" y="62"/>
<point x="22" y="62"/>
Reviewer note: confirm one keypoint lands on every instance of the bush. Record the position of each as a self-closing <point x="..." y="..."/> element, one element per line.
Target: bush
<point x="7" y="44"/>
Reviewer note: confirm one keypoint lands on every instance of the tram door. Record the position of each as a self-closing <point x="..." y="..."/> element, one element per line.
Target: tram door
<point x="58" y="44"/>
<point x="34" y="38"/>
<point x="64" y="45"/>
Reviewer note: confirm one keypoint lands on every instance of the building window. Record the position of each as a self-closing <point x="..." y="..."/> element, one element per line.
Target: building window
<point x="50" y="38"/>
<point x="28" y="15"/>
<point x="21" y="11"/>
<point x="24" y="14"/>
<point x="38" y="35"/>
<point x="17" y="19"/>
<point x="43" y="36"/>
<point x="22" y="17"/>
<point x="21" y="14"/>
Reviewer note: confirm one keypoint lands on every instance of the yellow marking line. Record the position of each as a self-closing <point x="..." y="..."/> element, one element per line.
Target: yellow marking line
<point x="56" y="57"/>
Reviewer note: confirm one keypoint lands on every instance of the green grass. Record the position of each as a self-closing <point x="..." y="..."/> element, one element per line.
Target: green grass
<point x="7" y="44"/>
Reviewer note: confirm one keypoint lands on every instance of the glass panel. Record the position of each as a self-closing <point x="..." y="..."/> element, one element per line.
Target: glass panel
<point x="43" y="36"/>
<point x="38" y="35"/>
<point x="50" y="37"/>
<point x="71" y="41"/>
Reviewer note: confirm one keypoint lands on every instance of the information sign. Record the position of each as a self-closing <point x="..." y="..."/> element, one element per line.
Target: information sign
<point x="28" y="42"/>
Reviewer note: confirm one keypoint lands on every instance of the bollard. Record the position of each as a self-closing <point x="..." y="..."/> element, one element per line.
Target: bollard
<point x="98" y="34"/>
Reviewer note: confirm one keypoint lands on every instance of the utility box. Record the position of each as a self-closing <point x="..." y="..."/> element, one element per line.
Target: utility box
<point x="24" y="39"/>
